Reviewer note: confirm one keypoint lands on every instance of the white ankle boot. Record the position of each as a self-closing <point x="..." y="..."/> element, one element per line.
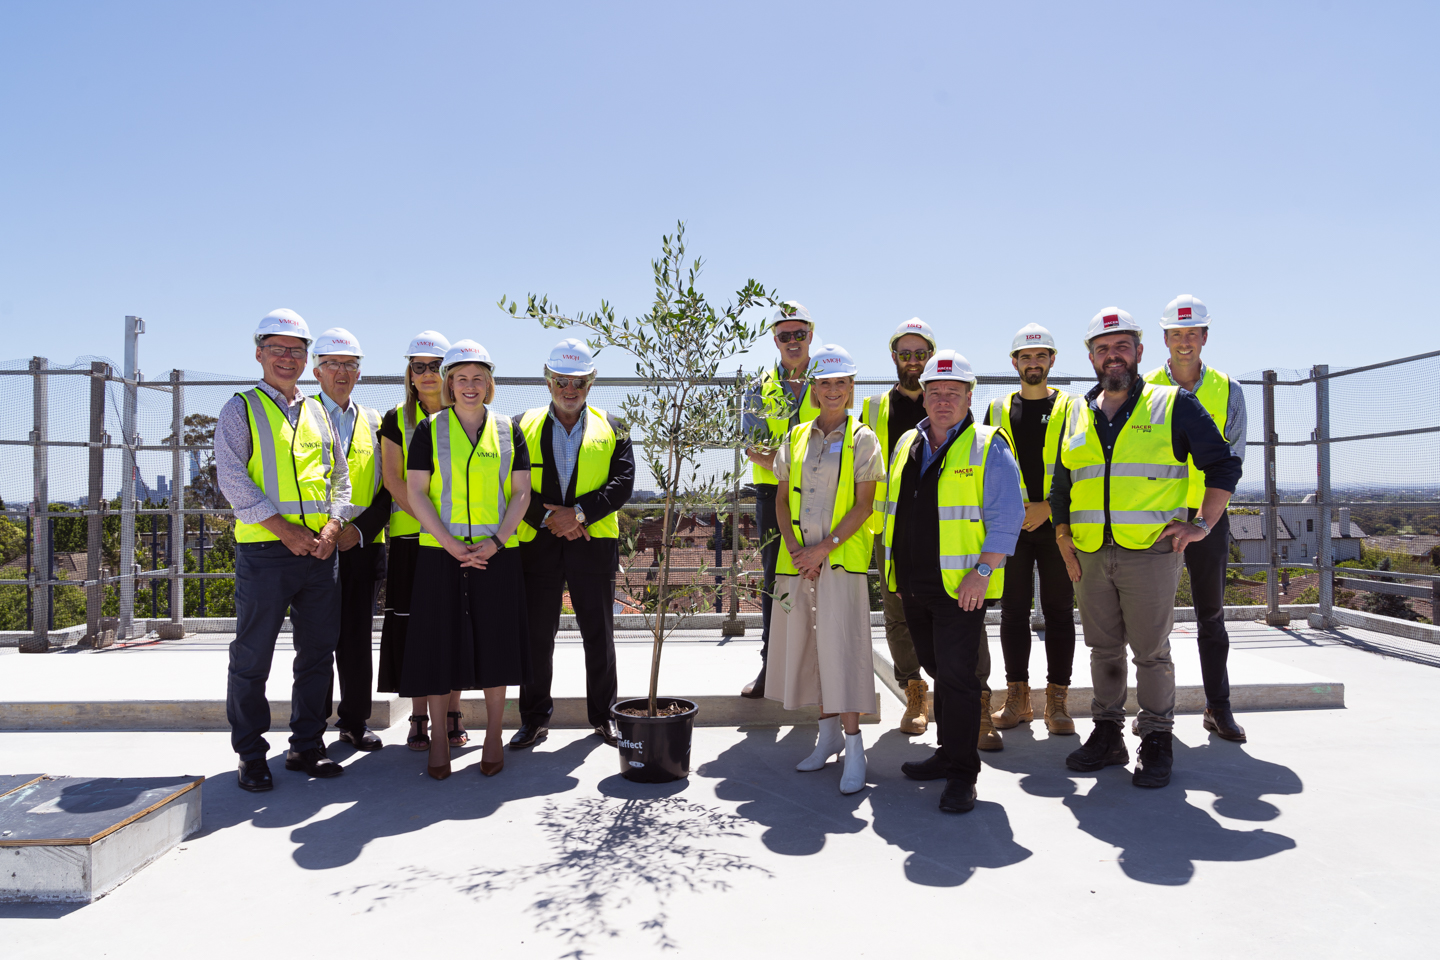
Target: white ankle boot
<point x="831" y="742"/>
<point x="853" y="779"/>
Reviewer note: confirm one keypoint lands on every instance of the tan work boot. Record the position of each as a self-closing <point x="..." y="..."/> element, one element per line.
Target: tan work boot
<point x="1017" y="709"/>
<point x="989" y="736"/>
<point x="915" y="719"/>
<point x="1057" y="712"/>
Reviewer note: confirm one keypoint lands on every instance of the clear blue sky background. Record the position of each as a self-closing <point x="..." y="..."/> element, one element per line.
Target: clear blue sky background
<point x="391" y="167"/>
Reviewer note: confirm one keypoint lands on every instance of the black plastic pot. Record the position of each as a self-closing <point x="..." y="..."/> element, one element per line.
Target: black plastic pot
<point x="654" y="749"/>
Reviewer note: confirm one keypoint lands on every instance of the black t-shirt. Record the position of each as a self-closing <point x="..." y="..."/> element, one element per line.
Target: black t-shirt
<point x="390" y="428"/>
<point x="905" y="415"/>
<point x="1029" y="432"/>
<point x="422" y="456"/>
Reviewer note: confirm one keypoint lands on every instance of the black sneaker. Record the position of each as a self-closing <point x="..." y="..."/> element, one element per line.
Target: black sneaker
<point x="931" y="768"/>
<point x="1105" y="748"/>
<point x="1154" y="759"/>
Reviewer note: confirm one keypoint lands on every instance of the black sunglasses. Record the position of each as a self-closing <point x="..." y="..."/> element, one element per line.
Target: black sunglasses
<point x="418" y="367"/>
<point x="799" y="336"/>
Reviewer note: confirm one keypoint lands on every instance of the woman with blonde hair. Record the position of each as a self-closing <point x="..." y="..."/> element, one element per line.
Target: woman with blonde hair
<point x="468" y="479"/>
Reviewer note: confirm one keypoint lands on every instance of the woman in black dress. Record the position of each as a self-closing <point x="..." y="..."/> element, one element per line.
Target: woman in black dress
<point x="469" y="486"/>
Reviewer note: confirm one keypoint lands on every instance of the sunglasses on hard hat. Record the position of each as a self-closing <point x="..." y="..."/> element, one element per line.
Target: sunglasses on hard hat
<point x="277" y="351"/>
<point x="905" y="356"/>
<point x="799" y="336"/>
<point x="571" y="383"/>
<point x="418" y="367"/>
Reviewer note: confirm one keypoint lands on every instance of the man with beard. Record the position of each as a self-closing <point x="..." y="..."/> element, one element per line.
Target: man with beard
<point x="1118" y="502"/>
<point x="1186" y="323"/>
<point x="1033" y="419"/>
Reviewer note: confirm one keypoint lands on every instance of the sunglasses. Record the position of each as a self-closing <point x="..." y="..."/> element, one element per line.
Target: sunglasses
<point x="905" y="356"/>
<point x="335" y="366"/>
<point x="799" y="336"/>
<point x="571" y="383"/>
<point x="277" y="351"/>
<point x="418" y="367"/>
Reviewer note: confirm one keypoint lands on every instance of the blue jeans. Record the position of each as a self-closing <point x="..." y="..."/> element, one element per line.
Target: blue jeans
<point x="269" y="580"/>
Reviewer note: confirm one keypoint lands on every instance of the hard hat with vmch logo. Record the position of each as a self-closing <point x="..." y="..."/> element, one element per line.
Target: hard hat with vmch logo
<point x="830" y="361"/>
<point x="283" y="323"/>
<point x="1184" y="311"/>
<point x="337" y="342"/>
<point x="1111" y="320"/>
<point x="466" y="351"/>
<point x="948" y="365"/>
<point x="571" y="358"/>
<point x="427" y="343"/>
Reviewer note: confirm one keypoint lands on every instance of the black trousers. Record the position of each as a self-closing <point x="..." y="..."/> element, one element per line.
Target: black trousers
<point x="1057" y="603"/>
<point x="587" y="568"/>
<point x="360" y="569"/>
<point x="947" y="642"/>
<point x="1206" y="559"/>
<point x="769" y="529"/>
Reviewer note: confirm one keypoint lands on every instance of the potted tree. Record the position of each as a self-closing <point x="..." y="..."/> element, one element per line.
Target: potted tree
<point x="683" y="409"/>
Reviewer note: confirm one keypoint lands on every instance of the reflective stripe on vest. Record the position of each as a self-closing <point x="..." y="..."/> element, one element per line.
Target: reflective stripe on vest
<point x="1213" y="392"/>
<point x="1141" y="488"/>
<point x="999" y="415"/>
<point x="292" y="465"/>
<point x="592" y="467"/>
<point x="401" y="523"/>
<point x="362" y="456"/>
<point x="875" y="414"/>
<point x="960" y="492"/>
<point x="470" y="483"/>
<point x="854" y="554"/>
<point x="776" y="399"/>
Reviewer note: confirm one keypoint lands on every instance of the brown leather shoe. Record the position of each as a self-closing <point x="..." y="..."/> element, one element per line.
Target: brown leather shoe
<point x="915" y="719"/>
<point x="1221" y="722"/>
<point x="439" y="773"/>
<point x="989" y="737"/>
<point x="1057" y="710"/>
<point x="755" y="689"/>
<point x="490" y="769"/>
<point x="1017" y="709"/>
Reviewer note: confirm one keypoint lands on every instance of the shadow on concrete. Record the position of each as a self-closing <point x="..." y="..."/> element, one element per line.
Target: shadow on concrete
<point x="798" y="810"/>
<point x="1160" y="833"/>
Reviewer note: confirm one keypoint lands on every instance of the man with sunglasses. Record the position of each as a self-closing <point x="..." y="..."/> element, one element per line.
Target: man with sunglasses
<point x="362" y="543"/>
<point x="276" y="462"/>
<point x="582" y="471"/>
<point x="780" y="402"/>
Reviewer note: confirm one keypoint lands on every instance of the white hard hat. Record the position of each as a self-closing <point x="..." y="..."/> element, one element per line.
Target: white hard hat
<point x="571" y="358"/>
<point x="916" y="326"/>
<point x="466" y="351"/>
<point x="1111" y="320"/>
<point x="337" y="342"/>
<point x="831" y="360"/>
<point x="283" y="323"/>
<point x="948" y="365"/>
<point x="1032" y="335"/>
<point x="1184" y="311"/>
<point x="798" y="313"/>
<point x="427" y="343"/>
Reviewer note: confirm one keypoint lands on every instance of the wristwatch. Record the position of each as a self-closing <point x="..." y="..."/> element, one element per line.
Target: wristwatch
<point x="499" y="544"/>
<point x="835" y="540"/>
<point x="1199" y="521"/>
<point x="579" y="513"/>
<point x="984" y="569"/>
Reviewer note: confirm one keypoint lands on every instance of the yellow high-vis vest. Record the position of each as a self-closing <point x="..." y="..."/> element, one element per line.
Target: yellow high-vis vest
<point x="777" y="399"/>
<point x="999" y="416"/>
<point x="875" y="414"/>
<point x="1141" y="487"/>
<point x="592" y="468"/>
<point x="960" y="492"/>
<point x="363" y="458"/>
<point x="1213" y="392"/>
<point x="854" y="554"/>
<point x="470" y="483"/>
<point x="291" y="464"/>
<point x="408" y="415"/>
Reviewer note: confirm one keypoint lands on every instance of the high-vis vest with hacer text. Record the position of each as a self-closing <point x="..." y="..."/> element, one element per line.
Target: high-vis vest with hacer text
<point x="960" y="493"/>
<point x="1139" y="488"/>
<point x="291" y="464"/>
<point x="875" y="414"/>
<point x="777" y="399"/>
<point x="408" y="415"/>
<point x="592" y="468"/>
<point x="854" y="554"/>
<point x="363" y="458"/>
<point x="470" y="483"/>
<point x="999" y="416"/>
<point x="1213" y="392"/>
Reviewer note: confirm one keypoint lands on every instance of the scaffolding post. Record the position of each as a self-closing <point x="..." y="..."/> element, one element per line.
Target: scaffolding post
<point x="1325" y="549"/>
<point x="94" y="507"/>
<point x="40" y="508"/>
<point x="134" y="326"/>
<point x="177" y="496"/>
<point x="1273" y="616"/>
<point x="733" y="626"/>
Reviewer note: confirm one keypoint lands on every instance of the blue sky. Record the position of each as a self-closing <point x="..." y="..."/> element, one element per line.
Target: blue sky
<point x="392" y="167"/>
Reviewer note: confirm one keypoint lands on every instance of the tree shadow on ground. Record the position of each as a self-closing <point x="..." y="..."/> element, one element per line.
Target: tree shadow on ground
<point x="1160" y="833"/>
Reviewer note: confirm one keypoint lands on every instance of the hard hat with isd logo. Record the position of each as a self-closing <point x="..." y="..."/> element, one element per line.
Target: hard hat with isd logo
<point x="916" y="326"/>
<point x="571" y="358"/>
<point x="948" y="365"/>
<point x="1111" y="320"/>
<point x="1030" y="336"/>
<point x="1184" y="311"/>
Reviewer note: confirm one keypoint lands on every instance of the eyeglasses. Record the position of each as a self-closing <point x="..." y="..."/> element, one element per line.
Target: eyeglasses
<point x="799" y="336"/>
<point x="418" y="367"/>
<point x="905" y="356"/>
<point x="335" y="366"/>
<point x="570" y="383"/>
<point x="277" y="351"/>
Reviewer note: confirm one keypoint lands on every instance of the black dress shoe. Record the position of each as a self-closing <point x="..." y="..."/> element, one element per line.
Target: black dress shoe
<point x="1105" y="748"/>
<point x="528" y="735"/>
<point x="255" y="776"/>
<point x="607" y="732"/>
<point x="959" y="797"/>
<point x="931" y="768"/>
<point x="313" y="762"/>
<point x="1221" y="722"/>
<point x="1154" y="759"/>
<point x="755" y="689"/>
<point x="362" y="740"/>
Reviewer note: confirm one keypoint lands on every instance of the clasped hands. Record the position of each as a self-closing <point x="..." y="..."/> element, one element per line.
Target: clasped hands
<point x="472" y="554"/>
<point x="303" y="542"/>
<point x="562" y="523"/>
<point x="810" y="560"/>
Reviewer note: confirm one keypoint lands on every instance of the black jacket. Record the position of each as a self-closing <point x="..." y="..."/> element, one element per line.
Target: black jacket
<point x="598" y="504"/>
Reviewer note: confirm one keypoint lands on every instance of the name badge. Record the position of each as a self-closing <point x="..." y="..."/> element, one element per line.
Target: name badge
<point x="835" y="447"/>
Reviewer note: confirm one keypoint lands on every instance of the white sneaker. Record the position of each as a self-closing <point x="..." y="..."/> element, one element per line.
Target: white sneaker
<point x="853" y="779"/>
<point x="831" y="742"/>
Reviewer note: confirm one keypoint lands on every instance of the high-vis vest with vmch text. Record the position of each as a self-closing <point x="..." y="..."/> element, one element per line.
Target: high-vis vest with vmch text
<point x="960" y="493"/>
<point x="1140" y="487"/>
<point x="1054" y="429"/>
<point x="470" y="483"/>
<point x="777" y="399"/>
<point x="875" y="414"/>
<point x="854" y="554"/>
<point x="592" y="468"/>
<point x="291" y="464"/>
<point x="363" y="458"/>
<point x="1213" y="392"/>
<point x="408" y="415"/>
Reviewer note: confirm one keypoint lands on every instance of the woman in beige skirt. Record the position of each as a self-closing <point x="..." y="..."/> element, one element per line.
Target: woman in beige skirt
<point x="820" y="644"/>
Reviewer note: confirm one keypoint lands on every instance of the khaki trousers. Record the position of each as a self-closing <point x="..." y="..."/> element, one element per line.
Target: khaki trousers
<point x="1127" y="598"/>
